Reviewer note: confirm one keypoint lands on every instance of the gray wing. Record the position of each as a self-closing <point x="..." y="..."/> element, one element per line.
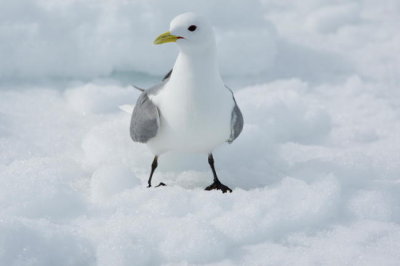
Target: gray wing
<point x="236" y="121"/>
<point x="145" y="119"/>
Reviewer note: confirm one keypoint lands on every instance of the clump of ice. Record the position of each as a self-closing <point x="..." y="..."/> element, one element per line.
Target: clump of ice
<point x="28" y="242"/>
<point x="110" y="180"/>
<point x="97" y="98"/>
<point x="370" y="205"/>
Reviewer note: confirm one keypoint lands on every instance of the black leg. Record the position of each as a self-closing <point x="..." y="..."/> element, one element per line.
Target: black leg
<point x="153" y="167"/>
<point x="216" y="184"/>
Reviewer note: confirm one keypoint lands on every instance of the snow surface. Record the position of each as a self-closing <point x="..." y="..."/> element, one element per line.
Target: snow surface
<point x="316" y="171"/>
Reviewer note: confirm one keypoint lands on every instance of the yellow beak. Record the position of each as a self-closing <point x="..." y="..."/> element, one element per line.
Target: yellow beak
<point x="166" y="37"/>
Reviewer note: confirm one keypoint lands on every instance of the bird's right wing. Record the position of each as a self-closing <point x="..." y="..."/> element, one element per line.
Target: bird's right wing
<point x="145" y="120"/>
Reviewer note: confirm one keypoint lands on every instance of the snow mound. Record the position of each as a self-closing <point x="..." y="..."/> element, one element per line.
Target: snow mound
<point x="107" y="181"/>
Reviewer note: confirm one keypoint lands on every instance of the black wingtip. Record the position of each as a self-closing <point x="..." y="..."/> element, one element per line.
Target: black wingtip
<point x="138" y="88"/>
<point x="167" y="75"/>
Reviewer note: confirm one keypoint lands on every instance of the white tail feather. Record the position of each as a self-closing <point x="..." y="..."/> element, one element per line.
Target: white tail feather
<point x="127" y="108"/>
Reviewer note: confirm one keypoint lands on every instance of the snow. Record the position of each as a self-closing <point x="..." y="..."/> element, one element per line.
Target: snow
<point x="315" y="173"/>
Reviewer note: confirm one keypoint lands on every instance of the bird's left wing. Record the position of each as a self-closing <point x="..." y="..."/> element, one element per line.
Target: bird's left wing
<point x="236" y="121"/>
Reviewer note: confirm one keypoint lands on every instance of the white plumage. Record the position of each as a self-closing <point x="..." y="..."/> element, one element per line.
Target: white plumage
<point x="192" y="110"/>
<point x="195" y="107"/>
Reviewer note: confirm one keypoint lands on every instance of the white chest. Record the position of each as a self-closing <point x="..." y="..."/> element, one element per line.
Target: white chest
<point x="195" y="119"/>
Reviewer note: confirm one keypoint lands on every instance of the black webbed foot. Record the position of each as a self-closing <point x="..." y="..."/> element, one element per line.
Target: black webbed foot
<point x="219" y="186"/>
<point x="159" y="185"/>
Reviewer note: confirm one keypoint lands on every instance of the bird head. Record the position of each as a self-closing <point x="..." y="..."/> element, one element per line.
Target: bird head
<point x="189" y="31"/>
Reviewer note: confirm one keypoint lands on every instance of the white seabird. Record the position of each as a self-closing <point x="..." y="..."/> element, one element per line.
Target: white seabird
<point x="191" y="110"/>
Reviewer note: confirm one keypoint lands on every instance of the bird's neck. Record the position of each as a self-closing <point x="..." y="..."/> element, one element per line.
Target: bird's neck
<point x="197" y="68"/>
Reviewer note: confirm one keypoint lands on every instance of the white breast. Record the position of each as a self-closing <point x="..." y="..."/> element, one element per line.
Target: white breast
<point x="195" y="106"/>
<point x="194" y="118"/>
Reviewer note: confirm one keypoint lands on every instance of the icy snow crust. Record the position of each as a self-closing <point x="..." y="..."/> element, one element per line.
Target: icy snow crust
<point x="316" y="171"/>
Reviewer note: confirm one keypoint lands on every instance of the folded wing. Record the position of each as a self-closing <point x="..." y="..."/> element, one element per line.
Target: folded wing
<point x="145" y="120"/>
<point x="236" y="121"/>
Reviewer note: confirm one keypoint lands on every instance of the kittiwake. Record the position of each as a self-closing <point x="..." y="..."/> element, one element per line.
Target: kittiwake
<point x="191" y="110"/>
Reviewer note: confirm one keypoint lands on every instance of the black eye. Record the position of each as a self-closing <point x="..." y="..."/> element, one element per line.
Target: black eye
<point x="192" y="28"/>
